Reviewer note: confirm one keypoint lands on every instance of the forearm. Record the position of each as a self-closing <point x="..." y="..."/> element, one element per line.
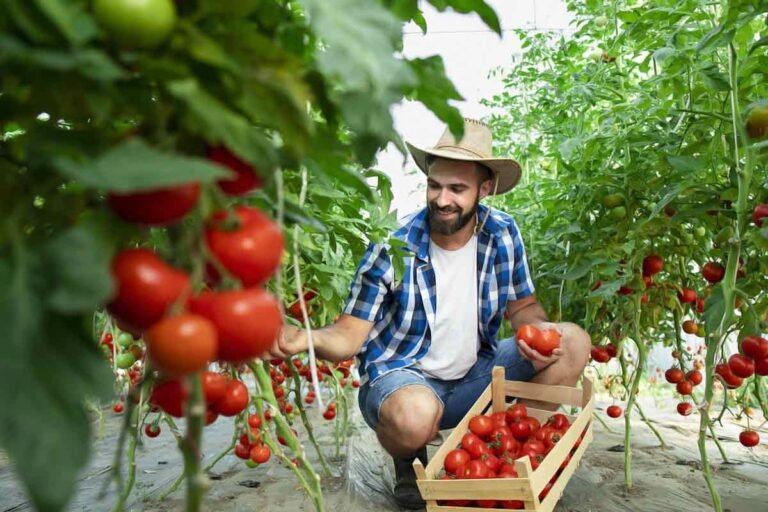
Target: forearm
<point x="333" y="343"/>
<point x="529" y="314"/>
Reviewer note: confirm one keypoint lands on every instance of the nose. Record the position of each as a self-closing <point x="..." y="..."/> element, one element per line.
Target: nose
<point x="443" y="198"/>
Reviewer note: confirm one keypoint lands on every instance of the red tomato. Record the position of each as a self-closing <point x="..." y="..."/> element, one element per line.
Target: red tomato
<point x="611" y="349"/>
<point x="235" y="399"/>
<point x="600" y="354"/>
<point x="695" y="377"/>
<point x="530" y="335"/>
<point x="550" y="340"/>
<point x="614" y="411"/>
<point x="481" y="426"/>
<point x="499" y="419"/>
<point x="533" y="422"/>
<point x="500" y="432"/>
<point x="674" y="375"/>
<point x="454" y="459"/>
<point x="214" y="386"/>
<point x="541" y="435"/>
<point x="700" y="305"/>
<point x="512" y="504"/>
<point x="749" y="438"/>
<point x="260" y="454"/>
<point x="492" y="461"/>
<point x="329" y="414"/>
<point x="741" y="366"/>
<point x="652" y="264"/>
<point x="506" y="446"/>
<point x="252" y="250"/>
<point x="690" y="327"/>
<point x="242" y="452"/>
<point x="755" y="347"/>
<point x="247" y="321"/>
<point x="159" y="207"/>
<point x="685" y="408"/>
<point x="146" y="288"/>
<point x="760" y="212"/>
<point x="732" y="381"/>
<point x="558" y="421"/>
<point x="713" y="272"/>
<point x="474" y="445"/>
<point x="761" y="366"/>
<point x="535" y="446"/>
<point x="245" y="177"/>
<point x="181" y="345"/>
<point x="685" y="387"/>
<point x="516" y="412"/>
<point x="474" y="469"/>
<point x="170" y="396"/>
<point x="687" y="296"/>
<point x="521" y="430"/>
<point x="118" y="408"/>
<point x="486" y="503"/>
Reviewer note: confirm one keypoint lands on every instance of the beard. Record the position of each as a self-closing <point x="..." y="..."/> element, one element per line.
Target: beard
<point x="449" y="227"/>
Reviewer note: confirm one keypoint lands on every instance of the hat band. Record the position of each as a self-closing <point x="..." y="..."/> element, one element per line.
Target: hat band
<point x="462" y="150"/>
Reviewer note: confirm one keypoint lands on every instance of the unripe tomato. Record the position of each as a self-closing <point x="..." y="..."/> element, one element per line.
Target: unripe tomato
<point x="141" y="24"/>
<point x="757" y="122"/>
<point x="159" y="207"/>
<point x="690" y="327"/>
<point x="124" y="360"/>
<point x="183" y="344"/>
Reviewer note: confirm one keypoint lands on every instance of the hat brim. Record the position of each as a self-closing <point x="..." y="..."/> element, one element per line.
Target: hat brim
<point x="507" y="170"/>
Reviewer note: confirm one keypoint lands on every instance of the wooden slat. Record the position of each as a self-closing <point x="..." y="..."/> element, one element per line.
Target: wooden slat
<point x="498" y="383"/>
<point x="524" y="470"/>
<point x="587" y="391"/>
<point x="556" y="492"/>
<point x="485" y="489"/>
<point x="436" y="464"/>
<point x="556" y="457"/>
<point x="545" y="393"/>
<point x="449" y="508"/>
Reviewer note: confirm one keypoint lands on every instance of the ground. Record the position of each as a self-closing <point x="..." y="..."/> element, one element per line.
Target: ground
<point x="663" y="479"/>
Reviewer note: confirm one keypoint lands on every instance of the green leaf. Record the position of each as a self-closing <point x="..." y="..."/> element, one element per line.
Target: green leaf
<point x="714" y="310"/>
<point x="716" y="38"/>
<point x="486" y="13"/>
<point x="685" y="163"/>
<point x="714" y="78"/>
<point x="434" y="89"/>
<point x="135" y="166"/>
<point x="80" y="278"/>
<point x="70" y="19"/>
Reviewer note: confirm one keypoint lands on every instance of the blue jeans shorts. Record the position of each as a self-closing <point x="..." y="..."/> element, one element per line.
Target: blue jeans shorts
<point x="457" y="396"/>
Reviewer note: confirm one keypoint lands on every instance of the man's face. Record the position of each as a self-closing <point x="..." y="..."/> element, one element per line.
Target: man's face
<point x="453" y="193"/>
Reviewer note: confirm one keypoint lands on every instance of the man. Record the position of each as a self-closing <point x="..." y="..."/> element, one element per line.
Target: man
<point x="427" y="344"/>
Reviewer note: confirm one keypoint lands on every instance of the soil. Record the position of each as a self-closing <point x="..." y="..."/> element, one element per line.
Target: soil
<point x="361" y="479"/>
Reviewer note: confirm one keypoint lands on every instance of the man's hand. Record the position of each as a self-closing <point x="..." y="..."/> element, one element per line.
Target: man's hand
<point x="290" y="341"/>
<point x="537" y="358"/>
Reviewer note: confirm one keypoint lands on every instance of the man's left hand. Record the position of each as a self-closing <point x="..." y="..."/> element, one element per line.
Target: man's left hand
<point x="538" y="359"/>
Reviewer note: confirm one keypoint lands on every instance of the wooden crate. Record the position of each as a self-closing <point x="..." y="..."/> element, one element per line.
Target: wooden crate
<point x="530" y="483"/>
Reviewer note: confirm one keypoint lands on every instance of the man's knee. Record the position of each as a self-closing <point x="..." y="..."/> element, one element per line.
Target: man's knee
<point x="576" y="344"/>
<point x="411" y="415"/>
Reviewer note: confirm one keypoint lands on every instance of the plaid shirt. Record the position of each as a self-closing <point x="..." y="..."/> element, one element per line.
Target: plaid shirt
<point x="404" y="313"/>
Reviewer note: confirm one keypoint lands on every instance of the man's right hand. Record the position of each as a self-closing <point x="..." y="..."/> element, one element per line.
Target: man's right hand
<point x="290" y="341"/>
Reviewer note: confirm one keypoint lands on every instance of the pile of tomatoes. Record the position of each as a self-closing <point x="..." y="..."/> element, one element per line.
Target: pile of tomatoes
<point x="495" y="441"/>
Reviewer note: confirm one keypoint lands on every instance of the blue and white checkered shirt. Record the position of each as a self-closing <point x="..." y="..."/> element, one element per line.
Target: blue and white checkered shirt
<point x="404" y="313"/>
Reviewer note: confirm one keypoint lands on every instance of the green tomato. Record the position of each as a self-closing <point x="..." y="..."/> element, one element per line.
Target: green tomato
<point x="757" y="122"/>
<point x="250" y="463"/>
<point x="593" y="54"/>
<point x="601" y="21"/>
<point x="700" y="231"/>
<point x="613" y="200"/>
<point x="125" y="340"/>
<point x="618" y="213"/>
<point x="725" y="234"/>
<point x="138" y="24"/>
<point x="124" y="360"/>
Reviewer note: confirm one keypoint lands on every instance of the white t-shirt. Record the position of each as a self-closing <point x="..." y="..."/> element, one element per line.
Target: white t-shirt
<point x="455" y="339"/>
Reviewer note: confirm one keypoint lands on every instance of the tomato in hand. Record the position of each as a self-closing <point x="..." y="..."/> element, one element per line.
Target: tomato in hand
<point x="248" y="321"/>
<point x="181" y="345"/>
<point x="146" y="288"/>
<point x="251" y="250"/>
<point x="530" y="335"/>
<point x="160" y="207"/>
<point x="550" y="340"/>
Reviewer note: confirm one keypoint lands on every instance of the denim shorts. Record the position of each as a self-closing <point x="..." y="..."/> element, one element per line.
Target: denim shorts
<point x="457" y="396"/>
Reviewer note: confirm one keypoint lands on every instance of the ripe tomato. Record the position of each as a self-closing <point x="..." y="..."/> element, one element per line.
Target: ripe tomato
<point x="558" y="421"/>
<point x="533" y="422"/>
<point x="329" y="414"/>
<point x="252" y="250"/>
<point x="131" y="24"/>
<point x="512" y="504"/>
<point x="760" y="212"/>
<point x="674" y="375"/>
<point x="247" y="321"/>
<point x="242" y="452"/>
<point x="474" y="469"/>
<point x="757" y="122"/>
<point x="160" y="207"/>
<point x="516" y="412"/>
<point x="492" y="461"/>
<point x="260" y="454"/>
<point x="695" y="377"/>
<point x="652" y="264"/>
<point x="761" y="366"/>
<point x="486" y="503"/>
<point x="454" y="459"/>
<point x="599" y="354"/>
<point x="481" y="426"/>
<point x="687" y="296"/>
<point x="151" y="430"/>
<point x="506" y="445"/>
<point x="181" y="345"/>
<point x="535" y="446"/>
<point x="146" y="288"/>
<point x="170" y="396"/>
<point x="741" y="366"/>
<point x="614" y="411"/>
<point x="755" y="347"/>
<point x="118" y="408"/>
<point x="611" y="349"/>
<point x="685" y="387"/>
<point x="713" y="272"/>
<point x="520" y="430"/>
<point x="214" y="386"/>
<point x="550" y="340"/>
<point x="685" y="408"/>
<point x="500" y="431"/>
<point x="473" y="445"/>
<point x="245" y="177"/>
<point x="732" y="381"/>
<point x="530" y="335"/>
<point x="235" y="399"/>
<point x="690" y="327"/>
<point x="749" y="438"/>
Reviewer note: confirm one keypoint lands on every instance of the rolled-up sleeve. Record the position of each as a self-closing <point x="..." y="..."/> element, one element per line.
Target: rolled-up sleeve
<point x="372" y="284"/>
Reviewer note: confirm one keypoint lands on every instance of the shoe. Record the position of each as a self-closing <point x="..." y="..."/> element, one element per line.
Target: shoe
<point x="407" y="493"/>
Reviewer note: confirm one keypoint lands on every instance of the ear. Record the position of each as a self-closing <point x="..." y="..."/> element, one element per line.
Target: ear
<point x="486" y="187"/>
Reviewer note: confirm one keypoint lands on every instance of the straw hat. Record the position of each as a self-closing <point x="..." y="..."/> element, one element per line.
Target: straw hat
<point x="475" y="146"/>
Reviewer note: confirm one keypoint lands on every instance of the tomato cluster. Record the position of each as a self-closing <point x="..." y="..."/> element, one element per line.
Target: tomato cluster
<point x="492" y="444"/>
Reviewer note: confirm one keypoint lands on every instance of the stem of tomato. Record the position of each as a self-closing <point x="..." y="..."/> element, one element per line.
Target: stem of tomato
<point x="197" y="483"/>
<point x="133" y="414"/>
<point x="653" y="429"/>
<point x="641" y="357"/>
<point x="305" y="420"/>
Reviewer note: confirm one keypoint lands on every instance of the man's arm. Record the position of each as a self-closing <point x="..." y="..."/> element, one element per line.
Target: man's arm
<point x="336" y="342"/>
<point x="525" y="311"/>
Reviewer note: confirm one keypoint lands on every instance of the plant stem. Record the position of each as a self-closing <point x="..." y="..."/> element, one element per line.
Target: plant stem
<point x="132" y="430"/>
<point x="650" y="426"/>
<point x="197" y="482"/>
<point x="717" y="442"/>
